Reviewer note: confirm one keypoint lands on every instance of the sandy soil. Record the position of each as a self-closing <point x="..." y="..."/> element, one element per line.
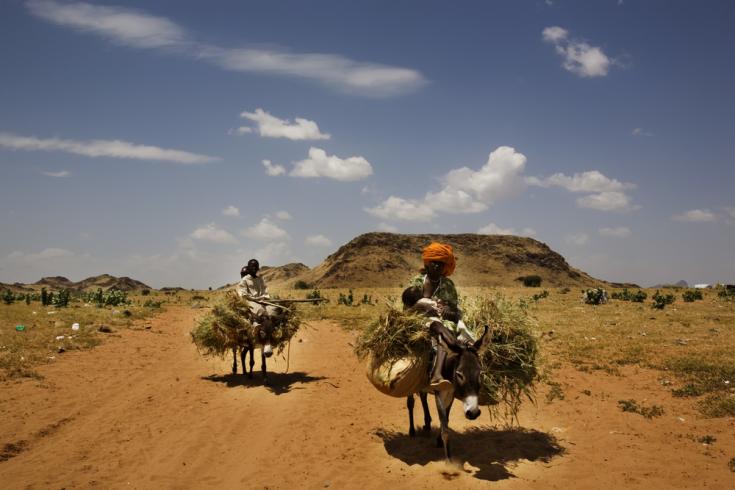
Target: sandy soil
<point x="144" y="410"/>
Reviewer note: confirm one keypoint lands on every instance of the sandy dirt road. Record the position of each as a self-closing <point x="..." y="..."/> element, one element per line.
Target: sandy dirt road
<point x="144" y="410"/>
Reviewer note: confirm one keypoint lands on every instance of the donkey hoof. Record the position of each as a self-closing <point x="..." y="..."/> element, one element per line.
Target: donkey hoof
<point x="412" y="432"/>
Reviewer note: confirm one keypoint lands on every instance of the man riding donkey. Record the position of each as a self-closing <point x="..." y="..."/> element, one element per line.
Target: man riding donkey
<point x="253" y="290"/>
<point x="434" y="294"/>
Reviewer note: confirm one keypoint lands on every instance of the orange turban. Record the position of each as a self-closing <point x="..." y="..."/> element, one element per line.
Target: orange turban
<point x="440" y="252"/>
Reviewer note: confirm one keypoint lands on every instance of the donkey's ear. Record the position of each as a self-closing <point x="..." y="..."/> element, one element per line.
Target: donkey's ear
<point x="478" y="342"/>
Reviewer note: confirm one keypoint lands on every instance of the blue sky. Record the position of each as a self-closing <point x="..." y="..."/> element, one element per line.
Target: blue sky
<point x="171" y="141"/>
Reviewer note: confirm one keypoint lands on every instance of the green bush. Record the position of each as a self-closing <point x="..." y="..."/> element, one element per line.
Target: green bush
<point x="594" y="296"/>
<point x="145" y="292"/>
<point x="61" y="299"/>
<point x="532" y="281"/>
<point x="660" y="301"/>
<point x="315" y="294"/>
<point x="543" y="294"/>
<point x="8" y="297"/>
<point x="692" y="295"/>
<point x="625" y="295"/>
<point x="301" y="284"/>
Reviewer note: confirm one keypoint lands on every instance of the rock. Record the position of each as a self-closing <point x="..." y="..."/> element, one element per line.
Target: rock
<point x="61" y="350"/>
<point x="104" y="329"/>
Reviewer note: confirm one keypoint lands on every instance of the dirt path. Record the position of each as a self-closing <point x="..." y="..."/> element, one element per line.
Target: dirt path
<point x="146" y="411"/>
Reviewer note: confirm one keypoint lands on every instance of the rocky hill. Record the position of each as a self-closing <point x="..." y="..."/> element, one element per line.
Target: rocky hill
<point x="284" y="273"/>
<point x="389" y="260"/>
<point x="104" y="281"/>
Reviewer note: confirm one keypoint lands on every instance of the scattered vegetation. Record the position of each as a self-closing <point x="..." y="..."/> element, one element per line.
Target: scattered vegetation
<point x="661" y="300"/>
<point x="625" y="295"/>
<point x="594" y="296"/>
<point x="713" y="377"/>
<point x="301" y="284"/>
<point x="538" y="296"/>
<point x="633" y="406"/>
<point x="692" y="295"/>
<point x="555" y="392"/>
<point x="532" y="281"/>
<point x="347" y="299"/>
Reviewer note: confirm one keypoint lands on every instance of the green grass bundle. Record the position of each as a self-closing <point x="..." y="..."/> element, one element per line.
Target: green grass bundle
<point x="394" y="335"/>
<point x="509" y="356"/>
<point x="230" y="324"/>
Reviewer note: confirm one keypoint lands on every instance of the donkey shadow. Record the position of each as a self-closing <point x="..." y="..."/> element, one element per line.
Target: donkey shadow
<point x="278" y="383"/>
<point x="490" y="449"/>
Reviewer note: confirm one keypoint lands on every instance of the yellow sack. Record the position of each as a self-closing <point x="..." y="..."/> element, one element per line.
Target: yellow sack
<point x="399" y="378"/>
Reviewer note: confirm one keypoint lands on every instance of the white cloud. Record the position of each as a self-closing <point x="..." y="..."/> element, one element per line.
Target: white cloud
<point x="241" y="130"/>
<point x="608" y="194"/>
<point x="212" y="233"/>
<point x="318" y="241"/>
<point x="136" y="28"/>
<point x="402" y="209"/>
<point x="696" y="216"/>
<point x="231" y="211"/>
<point x="388" y="228"/>
<point x="102" y="148"/>
<point x="580" y="58"/>
<point x="578" y="239"/>
<point x="120" y="25"/>
<point x="640" y="132"/>
<point x="319" y="164"/>
<point x="272" y="127"/>
<point x="283" y="215"/>
<point x="273" y="169"/>
<point x="60" y="174"/>
<point x="607" y="201"/>
<point x="618" y="232"/>
<point x="265" y="230"/>
<point x="493" y="229"/>
<point x="465" y="190"/>
<point x="274" y="253"/>
<point x="590" y="181"/>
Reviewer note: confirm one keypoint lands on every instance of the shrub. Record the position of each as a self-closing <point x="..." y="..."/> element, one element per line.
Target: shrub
<point x="44" y="297"/>
<point x="149" y="303"/>
<point x="61" y="299"/>
<point x="594" y="296"/>
<point x="145" y="292"/>
<point x="692" y="295"/>
<point x="347" y="300"/>
<point x="660" y="301"/>
<point x="625" y="295"/>
<point x="315" y="294"/>
<point x="8" y="297"/>
<point x="543" y="294"/>
<point x="301" y="284"/>
<point x="532" y="281"/>
<point x="367" y="300"/>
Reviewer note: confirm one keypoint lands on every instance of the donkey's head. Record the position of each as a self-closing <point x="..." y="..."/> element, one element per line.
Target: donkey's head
<point x="467" y="371"/>
<point x="265" y="335"/>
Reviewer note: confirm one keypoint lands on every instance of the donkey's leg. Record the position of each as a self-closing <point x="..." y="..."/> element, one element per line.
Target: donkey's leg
<point x="409" y="404"/>
<point x="234" y="361"/>
<point x="444" y="401"/>
<point x="427" y="416"/>
<point x="251" y="349"/>
<point x="243" y="353"/>
<point x="262" y="366"/>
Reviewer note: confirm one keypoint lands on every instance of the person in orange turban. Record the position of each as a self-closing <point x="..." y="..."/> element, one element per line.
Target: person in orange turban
<point x="440" y="252"/>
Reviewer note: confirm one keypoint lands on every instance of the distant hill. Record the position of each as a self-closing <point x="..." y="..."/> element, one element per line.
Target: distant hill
<point x="389" y="260"/>
<point x="678" y="284"/>
<point x="283" y="273"/>
<point x="104" y="281"/>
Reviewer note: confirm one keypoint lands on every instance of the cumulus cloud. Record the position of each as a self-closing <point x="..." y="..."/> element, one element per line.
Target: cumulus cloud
<point x="273" y="169"/>
<point x="578" y="239"/>
<point x="231" y="211"/>
<point x="138" y="29"/>
<point x="464" y="190"/>
<point x="319" y="164"/>
<point x="696" y="216"/>
<point x="265" y="230"/>
<point x="102" y="148"/>
<point x="283" y="215"/>
<point x="274" y="253"/>
<point x="60" y="174"/>
<point x="606" y="194"/>
<point x="640" y="132"/>
<point x="318" y="241"/>
<point x="617" y="232"/>
<point x="493" y="229"/>
<point x="272" y="127"/>
<point x="397" y="208"/>
<point x="579" y="57"/>
<point x="212" y="233"/>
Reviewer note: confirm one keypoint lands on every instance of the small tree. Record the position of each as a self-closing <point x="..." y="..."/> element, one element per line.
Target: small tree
<point x="692" y="295"/>
<point x="44" y="297"/>
<point x="533" y="281"/>
<point x="301" y="284"/>
<point x="8" y="297"/>
<point x="660" y="301"/>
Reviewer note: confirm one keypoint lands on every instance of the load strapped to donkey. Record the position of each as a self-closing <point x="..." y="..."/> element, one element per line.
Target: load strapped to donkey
<point x="398" y="350"/>
<point x="232" y="327"/>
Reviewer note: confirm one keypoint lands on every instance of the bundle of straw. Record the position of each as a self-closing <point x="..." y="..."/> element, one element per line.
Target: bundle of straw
<point x="230" y="324"/>
<point x="396" y="334"/>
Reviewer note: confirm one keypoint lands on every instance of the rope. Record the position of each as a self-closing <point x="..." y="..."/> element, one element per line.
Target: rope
<point x="288" y="356"/>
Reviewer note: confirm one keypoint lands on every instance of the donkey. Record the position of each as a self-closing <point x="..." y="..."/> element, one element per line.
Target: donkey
<point x="263" y="338"/>
<point x="463" y="368"/>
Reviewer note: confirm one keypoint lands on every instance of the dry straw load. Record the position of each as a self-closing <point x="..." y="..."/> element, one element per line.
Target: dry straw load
<point x="229" y="325"/>
<point x="508" y="356"/>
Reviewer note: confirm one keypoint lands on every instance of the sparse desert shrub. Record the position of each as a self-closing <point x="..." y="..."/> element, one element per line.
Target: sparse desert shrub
<point x="594" y="296"/>
<point x="62" y="298"/>
<point x="8" y="297"/>
<point x="660" y="300"/>
<point x="44" y="297"/>
<point x="625" y="295"/>
<point x="346" y="300"/>
<point x="532" y="281"/>
<point x="149" y="303"/>
<point x="301" y="284"/>
<point x="315" y="294"/>
<point x="727" y="292"/>
<point x="691" y="295"/>
<point x="113" y="297"/>
<point x="366" y="299"/>
<point x="731" y="465"/>
<point x="543" y="294"/>
<point x="564" y="291"/>
<point x="633" y="406"/>
<point x="145" y="292"/>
